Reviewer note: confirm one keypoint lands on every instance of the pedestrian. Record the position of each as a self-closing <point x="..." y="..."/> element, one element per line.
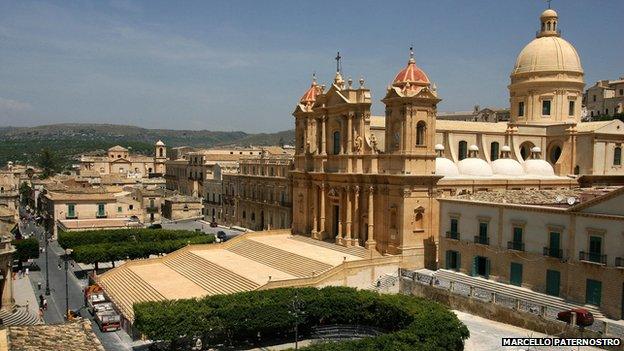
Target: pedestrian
<point x="27" y="271"/>
<point x="45" y="304"/>
<point x="40" y="301"/>
<point x="39" y="287"/>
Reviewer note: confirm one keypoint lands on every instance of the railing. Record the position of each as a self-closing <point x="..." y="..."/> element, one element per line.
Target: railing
<point x="483" y="240"/>
<point x="593" y="257"/>
<point x="619" y="262"/>
<point x="152" y="209"/>
<point x="452" y="235"/>
<point x="490" y="296"/>
<point x="552" y="252"/>
<point x="515" y="245"/>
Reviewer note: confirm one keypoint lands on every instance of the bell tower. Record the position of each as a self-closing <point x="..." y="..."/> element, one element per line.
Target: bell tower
<point x="411" y="105"/>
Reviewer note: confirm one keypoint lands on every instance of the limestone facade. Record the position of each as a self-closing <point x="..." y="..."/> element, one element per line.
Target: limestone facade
<point x="537" y="240"/>
<point x="180" y="207"/>
<point x="119" y="160"/>
<point x="605" y="98"/>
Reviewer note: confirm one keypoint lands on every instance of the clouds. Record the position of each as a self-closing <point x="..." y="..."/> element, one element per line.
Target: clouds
<point x="10" y="106"/>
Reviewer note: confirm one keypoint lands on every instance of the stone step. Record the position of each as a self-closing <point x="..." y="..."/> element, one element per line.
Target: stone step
<point x="351" y="250"/>
<point x="21" y="316"/>
<point x="515" y="292"/>
<point x="282" y="260"/>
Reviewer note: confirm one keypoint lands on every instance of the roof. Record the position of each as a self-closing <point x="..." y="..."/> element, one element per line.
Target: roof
<point x="498" y="127"/>
<point x="117" y="148"/>
<point x="596" y="126"/>
<point x="410" y="74"/>
<point x="80" y="196"/>
<point x="72" y="336"/>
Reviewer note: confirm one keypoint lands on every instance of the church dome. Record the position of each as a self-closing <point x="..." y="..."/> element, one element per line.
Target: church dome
<point x="536" y="166"/>
<point x="507" y="166"/>
<point x="411" y="74"/>
<point x="310" y="95"/>
<point x="446" y="167"/>
<point x="160" y="143"/>
<point x="548" y="52"/>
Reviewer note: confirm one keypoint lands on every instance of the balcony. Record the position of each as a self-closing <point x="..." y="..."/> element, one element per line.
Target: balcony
<point x="99" y="214"/>
<point x="553" y="252"/>
<point x="483" y="240"/>
<point x="71" y="215"/>
<point x="515" y="245"/>
<point x="593" y="257"/>
<point x="452" y="235"/>
<point x="152" y="209"/>
<point x="619" y="262"/>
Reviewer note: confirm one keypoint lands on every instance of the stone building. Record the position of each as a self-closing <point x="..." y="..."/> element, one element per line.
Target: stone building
<point x="605" y="98"/>
<point x="259" y="196"/>
<point x="563" y="243"/>
<point x="119" y="160"/>
<point x="355" y="189"/>
<point x="179" y="207"/>
<point x="476" y="115"/>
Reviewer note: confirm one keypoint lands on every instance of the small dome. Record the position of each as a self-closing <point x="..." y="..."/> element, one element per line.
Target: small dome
<point x="160" y="143"/>
<point x="446" y="167"/>
<point x="549" y="13"/>
<point x="505" y="148"/>
<point x="311" y="93"/>
<point x="507" y="167"/>
<point x="411" y="76"/>
<point x="538" y="167"/>
<point x="473" y="166"/>
<point x="536" y="149"/>
<point x="439" y="147"/>
<point x="473" y="148"/>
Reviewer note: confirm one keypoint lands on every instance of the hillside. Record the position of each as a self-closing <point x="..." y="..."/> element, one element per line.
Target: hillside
<point x="69" y="141"/>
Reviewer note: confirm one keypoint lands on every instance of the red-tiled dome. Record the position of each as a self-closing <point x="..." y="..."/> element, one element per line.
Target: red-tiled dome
<point x="410" y="74"/>
<point x="311" y="93"/>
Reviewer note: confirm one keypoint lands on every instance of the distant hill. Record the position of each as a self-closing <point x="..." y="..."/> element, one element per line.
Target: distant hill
<point x="69" y="141"/>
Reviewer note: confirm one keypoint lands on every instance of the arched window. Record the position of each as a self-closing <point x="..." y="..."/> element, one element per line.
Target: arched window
<point x="160" y="152"/>
<point x="548" y="25"/>
<point x="244" y="215"/>
<point x="463" y="150"/>
<point x="494" y="148"/>
<point x="336" y="143"/>
<point x="577" y="170"/>
<point x="253" y="216"/>
<point x="617" y="156"/>
<point x="555" y="153"/>
<point x="421" y="127"/>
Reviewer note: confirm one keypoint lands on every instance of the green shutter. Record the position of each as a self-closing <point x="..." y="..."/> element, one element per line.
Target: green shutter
<point x="458" y="260"/>
<point x="593" y="292"/>
<point x="515" y="276"/>
<point x="487" y="268"/>
<point x="474" y="266"/>
<point x="448" y="259"/>
<point x="553" y="281"/>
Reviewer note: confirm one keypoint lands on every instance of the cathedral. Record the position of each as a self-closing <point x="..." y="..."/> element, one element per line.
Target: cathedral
<point x="373" y="181"/>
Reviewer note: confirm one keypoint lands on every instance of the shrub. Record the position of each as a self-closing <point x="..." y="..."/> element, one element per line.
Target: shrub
<point x="408" y="322"/>
<point x="25" y="249"/>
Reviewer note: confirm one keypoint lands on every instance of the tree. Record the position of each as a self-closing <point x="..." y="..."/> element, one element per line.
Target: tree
<point x="25" y="249"/>
<point x="24" y="191"/>
<point x="281" y="142"/>
<point x="47" y="163"/>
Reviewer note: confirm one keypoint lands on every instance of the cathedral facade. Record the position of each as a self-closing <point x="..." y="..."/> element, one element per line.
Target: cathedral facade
<point x="362" y="180"/>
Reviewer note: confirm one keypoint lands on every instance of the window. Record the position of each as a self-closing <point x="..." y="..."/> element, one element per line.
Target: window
<point x="160" y="152"/>
<point x="253" y="216"/>
<point x="453" y="260"/>
<point x="546" y="108"/>
<point x="554" y="240"/>
<point x="515" y="274"/>
<point x="453" y="232"/>
<point x="420" y="133"/>
<point x="516" y="243"/>
<point x="481" y="266"/>
<point x="463" y="150"/>
<point x="606" y="111"/>
<point x="494" y="147"/>
<point x="555" y="153"/>
<point x="71" y="210"/>
<point x="595" y="248"/>
<point x="621" y="92"/>
<point x="119" y="209"/>
<point x="617" y="156"/>
<point x="521" y="108"/>
<point x="101" y="212"/>
<point x="244" y="215"/>
<point x="130" y="207"/>
<point x="336" y="143"/>
<point x="482" y="238"/>
<point x="593" y="292"/>
<point x="594" y="98"/>
<point x="571" y="108"/>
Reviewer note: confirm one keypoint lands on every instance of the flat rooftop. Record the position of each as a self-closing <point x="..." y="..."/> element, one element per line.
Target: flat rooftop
<point x="551" y="198"/>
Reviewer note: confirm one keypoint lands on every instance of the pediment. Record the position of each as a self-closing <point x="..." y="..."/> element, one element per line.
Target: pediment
<point x="335" y="97"/>
<point x="120" y="160"/>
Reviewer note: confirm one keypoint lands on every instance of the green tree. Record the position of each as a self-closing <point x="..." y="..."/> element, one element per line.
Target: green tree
<point x="25" y="249"/>
<point x="24" y="191"/>
<point x="47" y="163"/>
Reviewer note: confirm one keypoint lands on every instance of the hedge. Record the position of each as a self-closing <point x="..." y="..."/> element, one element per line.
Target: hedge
<point x="409" y="323"/>
<point x="95" y="246"/>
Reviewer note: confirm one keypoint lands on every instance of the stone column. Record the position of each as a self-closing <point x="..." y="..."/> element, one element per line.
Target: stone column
<point x="349" y="134"/>
<point x="322" y="209"/>
<point x="370" y="240"/>
<point x="323" y="135"/>
<point x="347" y="240"/>
<point x="339" y="239"/>
<point x="315" y="211"/>
<point x="356" y="216"/>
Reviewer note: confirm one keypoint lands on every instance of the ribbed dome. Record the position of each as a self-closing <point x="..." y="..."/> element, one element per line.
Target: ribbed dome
<point x="411" y="76"/>
<point x="473" y="166"/>
<point x="311" y="93"/>
<point x="446" y="167"/>
<point x="549" y="53"/>
<point x="538" y="167"/>
<point x="508" y="167"/>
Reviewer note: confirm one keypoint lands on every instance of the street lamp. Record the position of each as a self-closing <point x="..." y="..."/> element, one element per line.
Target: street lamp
<point x="47" y="288"/>
<point x="298" y="313"/>
<point x="66" y="257"/>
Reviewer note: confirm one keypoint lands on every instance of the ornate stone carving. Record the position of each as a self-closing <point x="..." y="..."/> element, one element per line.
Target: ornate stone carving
<point x="357" y="143"/>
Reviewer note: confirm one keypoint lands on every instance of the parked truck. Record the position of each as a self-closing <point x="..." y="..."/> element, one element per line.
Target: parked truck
<point x="102" y="310"/>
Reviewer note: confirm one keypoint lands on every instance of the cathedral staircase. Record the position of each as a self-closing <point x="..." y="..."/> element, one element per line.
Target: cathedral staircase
<point x="210" y="276"/>
<point x="279" y="259"/>
<point x="350" y="250"/>
<point x="18" y="316"/>
<point x="128" y="288"/>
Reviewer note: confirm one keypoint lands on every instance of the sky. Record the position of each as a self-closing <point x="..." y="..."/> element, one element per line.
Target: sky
<point x="243" y="65"/>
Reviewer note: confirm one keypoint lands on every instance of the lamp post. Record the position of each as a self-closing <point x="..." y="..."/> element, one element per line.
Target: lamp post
<point x="47" y="288"/>
<point x="65" y="258"/>
<point x="298" y="314"/>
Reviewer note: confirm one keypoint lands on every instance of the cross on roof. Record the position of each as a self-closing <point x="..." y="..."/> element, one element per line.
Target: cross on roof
<point x="548" y="1"/>
<point x="337" y="58"/>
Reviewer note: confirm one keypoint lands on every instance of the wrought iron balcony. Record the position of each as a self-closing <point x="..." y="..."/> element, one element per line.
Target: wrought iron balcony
<point x="452" y="235"/>
<point x="552" y="252"/>
<point x="515" y="245"/>
<point x="593" y="257"/>
<point x="483" y="240"/>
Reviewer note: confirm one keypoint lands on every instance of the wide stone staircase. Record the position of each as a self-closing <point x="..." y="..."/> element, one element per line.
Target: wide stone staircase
<point x="18" y="316"/>
<point x="514" y="291"/>
<point x="210" y="276"/>
<point x="128" y="288"/>
<point x="279" y="259"/>
<point x="351" y="250"/>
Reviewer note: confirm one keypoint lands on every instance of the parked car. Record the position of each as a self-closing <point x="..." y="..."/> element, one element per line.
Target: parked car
<point x="584" y="318"/>
<point x="221" y="236"/>
<point x="155" y="226"/>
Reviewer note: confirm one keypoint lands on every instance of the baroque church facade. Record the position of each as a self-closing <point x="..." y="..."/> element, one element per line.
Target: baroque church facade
<point x="362" y="180"/>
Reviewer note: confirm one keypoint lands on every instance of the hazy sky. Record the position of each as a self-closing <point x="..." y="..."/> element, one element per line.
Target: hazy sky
<point x="243" y="65"/>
